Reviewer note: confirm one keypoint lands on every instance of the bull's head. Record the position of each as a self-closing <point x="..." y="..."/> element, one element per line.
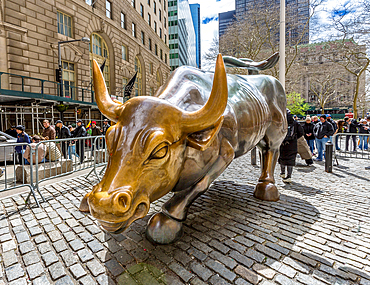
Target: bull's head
<point x="146" y="149"/>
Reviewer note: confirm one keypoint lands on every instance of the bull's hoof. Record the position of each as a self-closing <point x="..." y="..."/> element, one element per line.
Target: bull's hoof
<point x="266" y="191"/>
<point x="84" y="206"/>
<point x="162" y="229"/>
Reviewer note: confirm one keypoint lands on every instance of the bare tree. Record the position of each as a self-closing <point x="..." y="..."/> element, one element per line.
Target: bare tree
<point x="323" y="86"/>
<point x="255" y="34"/>
<point x="209" y="58"/>
<point x="351" y="24"/>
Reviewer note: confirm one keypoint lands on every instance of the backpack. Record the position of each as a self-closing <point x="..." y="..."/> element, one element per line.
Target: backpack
<point x="291" y="134"/>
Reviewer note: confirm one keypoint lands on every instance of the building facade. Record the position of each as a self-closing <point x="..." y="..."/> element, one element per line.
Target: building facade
<point x="182" y="41"/>
<point x="130" y="36"/>
<point x="224" y="20"/>
<point x="297" y="16"/>
<point x="195" y="14"/>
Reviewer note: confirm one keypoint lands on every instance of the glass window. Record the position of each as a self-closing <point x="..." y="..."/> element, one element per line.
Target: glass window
<point x="142" y="38"/>
<point x="123" y="20"/>
<point x="124" y="53"/>
<point x="156" y="49"/>
<point x="99" y="52"/>
<point x="165" y="23"/>
<point x="133" y="3"/>
<point x="88" y="2"/>
<point x="142" y="10"/>
<point x="64" y="24"/>
<point x="138" y="87"/>
<point x="165" y="39"/>
<point x="149" y="20"/>
<point x="164" y="5"/>
<point x="149" y="2"/>
<point x="160" y="32"/>
<point x="165" y="57"/>
<point x="134" y="30"/>
<point x="68" y="78"/>
<point x="108" y="9"/>
<point x="161" y="54"/>
<point x="151" y="91"/>
<point x="150" y="68"/>
<point x="150" y="43"/>
<point x="160" y="15"/>
<point x="155" y="7"/>
<point x="155" y="26"/>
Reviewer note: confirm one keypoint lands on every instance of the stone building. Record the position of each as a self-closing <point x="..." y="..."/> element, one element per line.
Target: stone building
<point x="318" y="73"/>
<point x="132" y="35"/>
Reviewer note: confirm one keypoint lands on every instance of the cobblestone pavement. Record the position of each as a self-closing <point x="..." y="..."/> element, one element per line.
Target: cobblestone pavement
<point x="318" y="233"/>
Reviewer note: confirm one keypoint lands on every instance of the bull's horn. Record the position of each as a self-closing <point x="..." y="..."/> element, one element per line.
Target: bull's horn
<point x="106" y="105"/>
<point x="215" y="106"/>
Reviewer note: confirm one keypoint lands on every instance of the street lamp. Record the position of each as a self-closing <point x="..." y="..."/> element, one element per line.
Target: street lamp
<point x="60" y="76"/>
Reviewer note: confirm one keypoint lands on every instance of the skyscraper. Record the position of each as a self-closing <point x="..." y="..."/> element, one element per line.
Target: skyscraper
<point x="182" y="40"/>
<point x="224" y="20"/>
<point x="195" y="14"/>
<point x="297" y="15"/>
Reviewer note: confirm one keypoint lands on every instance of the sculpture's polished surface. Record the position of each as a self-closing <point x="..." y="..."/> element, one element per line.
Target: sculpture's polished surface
<point x="181" y="141"/>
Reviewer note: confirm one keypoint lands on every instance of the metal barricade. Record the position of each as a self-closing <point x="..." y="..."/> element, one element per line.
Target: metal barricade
<point x="13" y="169"/>
<point x="100" y="154"/>
<point x="348" y="145"/>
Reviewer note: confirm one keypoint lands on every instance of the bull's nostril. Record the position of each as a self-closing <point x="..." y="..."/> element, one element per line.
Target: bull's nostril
<point x="122" y="200"/>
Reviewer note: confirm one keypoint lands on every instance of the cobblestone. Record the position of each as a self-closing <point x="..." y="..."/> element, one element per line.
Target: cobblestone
<point x="317" y="233"/>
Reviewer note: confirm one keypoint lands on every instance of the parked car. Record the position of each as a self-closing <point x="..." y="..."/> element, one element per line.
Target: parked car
<point x="6" y="152"/>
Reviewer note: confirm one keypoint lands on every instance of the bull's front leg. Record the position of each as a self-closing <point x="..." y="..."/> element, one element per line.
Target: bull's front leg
<point x="84" y="206"/>
<point x="166" y="227"/>
<point x="266" y="189"/>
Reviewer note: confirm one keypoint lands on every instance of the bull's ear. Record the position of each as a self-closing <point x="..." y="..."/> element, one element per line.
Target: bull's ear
<point x="203" y="139"/>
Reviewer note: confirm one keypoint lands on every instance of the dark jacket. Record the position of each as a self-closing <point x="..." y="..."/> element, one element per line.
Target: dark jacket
<point x="79" y="132"/>
<point x="308" y="129"/>
<point x="323" y="129"/>
<point x="62" y="133"/>
<point x="95" y="131"/>
<point x="363" y="128"/>
<point x="352" y="127"/>
<point x="105" y="128"/>
<point x="288" y="148"/>
<point x="333" y="123"/>
<point x="22" y="138"/>
<point x="11" y="132"/>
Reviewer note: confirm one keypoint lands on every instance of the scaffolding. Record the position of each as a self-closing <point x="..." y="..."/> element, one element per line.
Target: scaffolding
<point x="32" y="116"/>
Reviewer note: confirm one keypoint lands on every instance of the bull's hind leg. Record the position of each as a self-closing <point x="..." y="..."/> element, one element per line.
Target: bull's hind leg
<point x="166" y="227"/>
<point x="266" y="189"/>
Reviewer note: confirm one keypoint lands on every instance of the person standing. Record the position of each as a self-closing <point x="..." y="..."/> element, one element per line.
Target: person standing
<point x="363" y="129"/>
<point x="49" y="132"/>
<point x="62" y="132"/>
<point x="22" y="137"/>
<point x="95" y="131"/>
<point x="322" y="131"/>
<point x="105" y="128"/>
<point x="308" y="134"/>
<point x="340" y="124"/>
<point x="333" y="123"/>
<point x="350" y="127"/>
<point x="289" y="149"/>
<point x="315" y="120"/>
<point x="80" y="132"/>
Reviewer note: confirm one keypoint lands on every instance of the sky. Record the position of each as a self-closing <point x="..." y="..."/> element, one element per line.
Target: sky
<point x="209" y="10"/>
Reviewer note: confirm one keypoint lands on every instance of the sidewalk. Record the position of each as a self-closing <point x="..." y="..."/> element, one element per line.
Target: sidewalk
<point x="318" y="233"/>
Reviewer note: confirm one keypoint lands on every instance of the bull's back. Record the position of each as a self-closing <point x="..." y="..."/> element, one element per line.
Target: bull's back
<point x="255" y="101"/>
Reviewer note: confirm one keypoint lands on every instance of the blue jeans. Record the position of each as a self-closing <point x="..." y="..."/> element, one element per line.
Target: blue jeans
<point x="72" y="150"/>
<point x="363" y="139"/>
<point x="320" y="144"/>
<point x="336" y="142"/>
<point x="311" y="144"/>
<point x="26" y="162"/>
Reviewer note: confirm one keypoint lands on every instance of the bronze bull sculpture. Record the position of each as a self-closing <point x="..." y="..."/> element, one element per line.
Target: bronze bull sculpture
<point x="181" y="141"/>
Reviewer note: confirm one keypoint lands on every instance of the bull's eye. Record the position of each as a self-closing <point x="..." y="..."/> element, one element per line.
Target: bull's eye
<point x="160" y="153"/>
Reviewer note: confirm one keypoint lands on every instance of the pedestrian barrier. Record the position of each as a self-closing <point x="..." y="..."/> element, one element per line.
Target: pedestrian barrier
<point x="47" y="160"/>
<point x="348" y="145"/>
<point x="10" y="160"/>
